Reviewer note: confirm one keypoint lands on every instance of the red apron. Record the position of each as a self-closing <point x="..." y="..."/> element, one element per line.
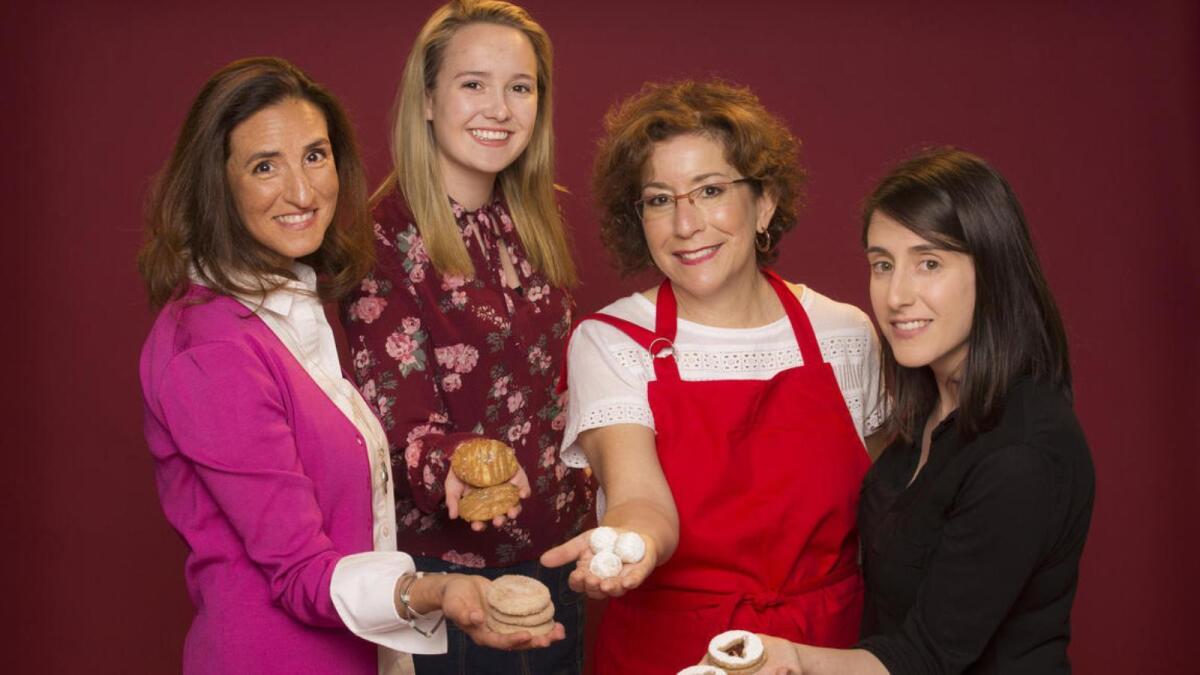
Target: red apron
<point x="765" y="476"/>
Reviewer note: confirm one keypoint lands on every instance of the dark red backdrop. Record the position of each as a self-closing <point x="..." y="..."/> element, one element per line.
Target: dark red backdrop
<point x="1090" y="108"/>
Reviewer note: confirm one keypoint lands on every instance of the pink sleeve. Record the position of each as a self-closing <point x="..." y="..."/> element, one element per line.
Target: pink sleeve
<point x="226" y="416"/>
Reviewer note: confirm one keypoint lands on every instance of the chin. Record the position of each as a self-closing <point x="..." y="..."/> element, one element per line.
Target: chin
<point x="907" y="359"/>
<point x="307" y="249"/>
<point x="495" y="166"/>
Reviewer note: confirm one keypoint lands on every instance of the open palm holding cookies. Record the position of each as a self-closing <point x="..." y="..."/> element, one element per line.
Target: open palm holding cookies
<point x="608" y="561"/>
<point x="485" y="483"/>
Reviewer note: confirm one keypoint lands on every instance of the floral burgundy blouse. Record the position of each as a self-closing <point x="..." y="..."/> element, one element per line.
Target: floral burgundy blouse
<point x="445" y="358"/>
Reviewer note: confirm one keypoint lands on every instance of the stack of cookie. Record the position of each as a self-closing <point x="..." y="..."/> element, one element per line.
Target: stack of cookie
<point x="486" y="465"/>
<point x="517" y="603"/>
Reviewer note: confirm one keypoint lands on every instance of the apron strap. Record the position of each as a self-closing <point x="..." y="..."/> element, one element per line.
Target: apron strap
<point x="662" y="350"/>
<point x="666" y="312"/>
<point x="666" y="325"/>
<point x="806" y="338"/>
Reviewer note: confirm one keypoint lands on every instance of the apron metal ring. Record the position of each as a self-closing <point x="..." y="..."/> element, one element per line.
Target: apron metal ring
<point x="669" y="351"/>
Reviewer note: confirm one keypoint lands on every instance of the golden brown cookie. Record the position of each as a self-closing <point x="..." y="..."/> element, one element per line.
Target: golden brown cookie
<point x="482" y="462"/>
<point x="487" y="503"/>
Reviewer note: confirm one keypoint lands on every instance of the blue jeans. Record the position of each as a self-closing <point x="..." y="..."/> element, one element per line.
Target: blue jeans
<point x="464" y="657"/>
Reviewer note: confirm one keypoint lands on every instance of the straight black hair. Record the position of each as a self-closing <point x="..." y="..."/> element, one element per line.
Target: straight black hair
<point x="956" y="201"/>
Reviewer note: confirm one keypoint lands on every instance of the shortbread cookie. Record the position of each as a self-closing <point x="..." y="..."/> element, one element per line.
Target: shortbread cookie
<point x="487" y="503"/>
<point x="517" y="595"/>
<point x="535" y="619"/>
<point x="482" y="462"/>
<point x="738" y="652"/>
<point x="501" y="627"/>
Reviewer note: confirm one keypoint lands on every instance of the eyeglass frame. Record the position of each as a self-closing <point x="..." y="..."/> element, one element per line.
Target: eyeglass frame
<point x="640" y="205"/>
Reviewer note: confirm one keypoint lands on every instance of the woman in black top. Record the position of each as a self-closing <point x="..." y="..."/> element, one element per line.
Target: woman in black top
<point x="973" y="520"/>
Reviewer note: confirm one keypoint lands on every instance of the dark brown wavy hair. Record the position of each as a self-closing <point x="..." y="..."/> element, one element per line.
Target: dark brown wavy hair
<point x="192" y="220"/>
<point x="956" y="201"/>
<point x="756" y="143"/>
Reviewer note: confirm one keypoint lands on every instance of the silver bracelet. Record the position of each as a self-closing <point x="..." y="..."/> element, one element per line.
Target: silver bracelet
<point x="413" y="614"/>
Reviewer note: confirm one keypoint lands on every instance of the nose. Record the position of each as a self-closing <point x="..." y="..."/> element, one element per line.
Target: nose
<point x="299" y="188"/>
<point x="687" y="219"/>
<point x="499" y="110"/>
<point x="900" y="290"/>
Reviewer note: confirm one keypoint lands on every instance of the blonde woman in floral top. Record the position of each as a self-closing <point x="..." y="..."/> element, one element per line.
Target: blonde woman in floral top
<point x="460" y="330"/>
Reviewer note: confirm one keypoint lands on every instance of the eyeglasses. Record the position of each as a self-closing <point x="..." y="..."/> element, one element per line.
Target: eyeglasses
<point x="707" y="197"/>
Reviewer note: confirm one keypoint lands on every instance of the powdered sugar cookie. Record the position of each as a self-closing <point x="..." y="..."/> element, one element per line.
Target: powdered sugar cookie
<point x="738" y="652"/>
<point x="605" y="564"/>
<point x="602" y="539"/>
<point x="630" y="547"/>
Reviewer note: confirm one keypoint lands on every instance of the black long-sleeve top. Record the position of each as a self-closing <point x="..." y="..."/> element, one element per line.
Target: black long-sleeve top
<point x="973" y="567"/>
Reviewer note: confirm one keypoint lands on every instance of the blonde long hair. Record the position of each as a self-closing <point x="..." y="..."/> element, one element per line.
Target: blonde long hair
<point x="528" y="183"/>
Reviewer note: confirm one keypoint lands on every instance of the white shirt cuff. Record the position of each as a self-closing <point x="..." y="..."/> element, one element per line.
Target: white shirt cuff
<point x="363" y="591"/>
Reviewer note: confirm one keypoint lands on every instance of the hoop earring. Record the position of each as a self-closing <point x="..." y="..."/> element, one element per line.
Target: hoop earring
<point x="758" y="244"/>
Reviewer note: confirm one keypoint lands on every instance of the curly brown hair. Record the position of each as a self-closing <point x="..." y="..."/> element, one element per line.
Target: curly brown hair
<point x="192" y="220"/>
<point x="756" y="143"/>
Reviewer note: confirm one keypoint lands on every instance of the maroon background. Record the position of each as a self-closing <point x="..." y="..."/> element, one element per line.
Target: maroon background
<point x="1090" y="109"/>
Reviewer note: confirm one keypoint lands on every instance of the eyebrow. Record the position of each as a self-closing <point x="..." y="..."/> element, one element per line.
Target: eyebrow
<point x="271" y="154"/>
<point x="485" y="73"/>
<point x="919" y="248"/>
<point x="695" y="181"/>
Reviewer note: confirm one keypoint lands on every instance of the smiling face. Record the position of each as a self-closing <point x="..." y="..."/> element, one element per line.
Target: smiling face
<point x="705" y="250"/>
<point x="483" y="106"/>
<point x="923" y="296"/>
<point x="283" y="178"/>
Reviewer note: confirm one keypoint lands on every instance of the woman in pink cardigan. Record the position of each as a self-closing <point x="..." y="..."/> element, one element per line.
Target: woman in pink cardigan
<point x="269" y="464"/>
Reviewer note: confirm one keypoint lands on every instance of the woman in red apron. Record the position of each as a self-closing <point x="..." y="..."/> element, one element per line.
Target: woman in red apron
<point x="745" y="489"/>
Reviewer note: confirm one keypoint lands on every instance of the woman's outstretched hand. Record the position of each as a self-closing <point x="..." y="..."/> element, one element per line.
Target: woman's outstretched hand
<point x="464" y="601"/>
<point x="583" y="580"/>
<point x="781" y="657"/>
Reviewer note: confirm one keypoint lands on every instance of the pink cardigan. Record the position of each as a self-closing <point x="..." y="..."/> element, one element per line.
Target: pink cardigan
<point x="267" y="482"/>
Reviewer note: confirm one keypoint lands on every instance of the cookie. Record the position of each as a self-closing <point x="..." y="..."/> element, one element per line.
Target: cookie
<point x="701" y="670"/>
<point x="482" y="462"/>
<point x="487" y="503"/>
<point x="501" y="627"/>
<point x="517" y="595"/>
<point x="535" y="619"/>
<point x="517" y="603"/>
<point x="630" y="547"/>
<point x="738" y="652"/>
<point x="602" y="539"/>
<point x="605" y="564"/>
